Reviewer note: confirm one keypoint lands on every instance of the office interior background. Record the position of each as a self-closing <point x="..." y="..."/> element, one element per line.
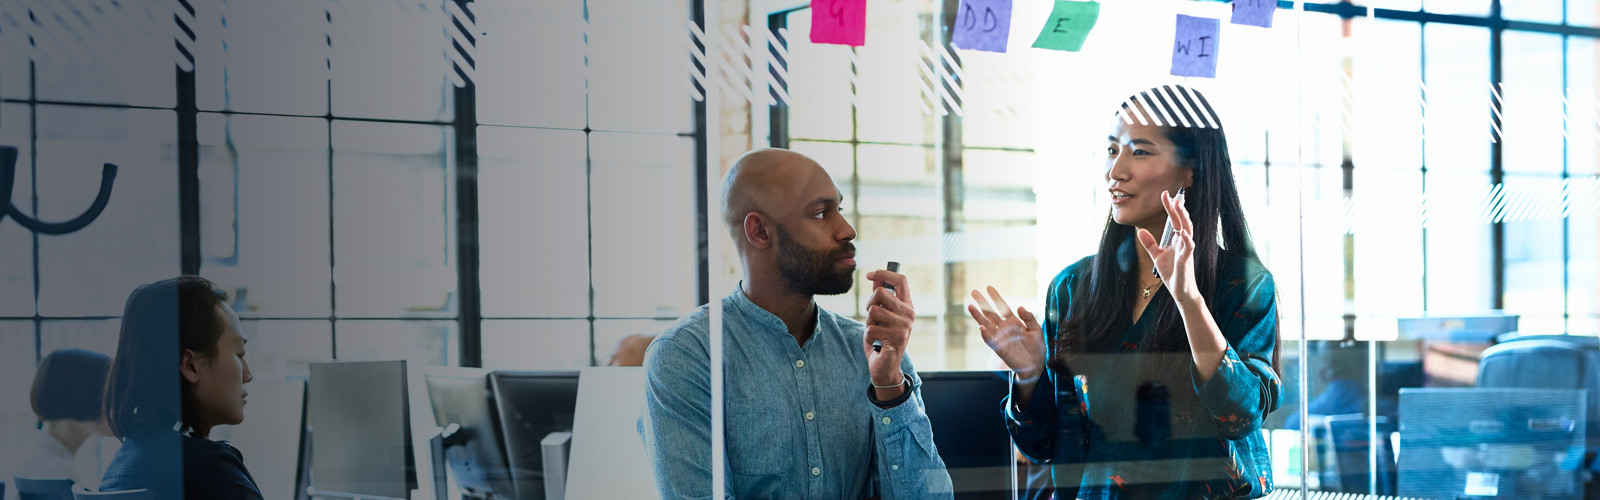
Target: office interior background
<point x="515" y="185"/>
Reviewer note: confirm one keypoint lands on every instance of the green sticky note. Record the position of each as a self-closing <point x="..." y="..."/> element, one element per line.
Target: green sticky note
<point x="1068" y="26"/>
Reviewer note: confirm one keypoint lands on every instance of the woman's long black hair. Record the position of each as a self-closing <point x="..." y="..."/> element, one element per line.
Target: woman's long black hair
<point x="1102" y="305"/>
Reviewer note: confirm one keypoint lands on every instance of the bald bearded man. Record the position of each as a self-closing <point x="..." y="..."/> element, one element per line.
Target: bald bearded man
<point x="811" y="410"/>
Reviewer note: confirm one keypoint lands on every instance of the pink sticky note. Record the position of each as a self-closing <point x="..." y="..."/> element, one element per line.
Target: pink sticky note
<point x="842" y="22"/>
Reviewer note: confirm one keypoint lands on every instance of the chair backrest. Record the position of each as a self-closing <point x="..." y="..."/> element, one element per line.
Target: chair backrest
<point x="1547" y="362"/>
<point x="44" y="489"/>
<point x="81" y="492"/>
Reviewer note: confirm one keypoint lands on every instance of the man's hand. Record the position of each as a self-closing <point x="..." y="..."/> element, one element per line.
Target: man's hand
<point x="889" y="319"/>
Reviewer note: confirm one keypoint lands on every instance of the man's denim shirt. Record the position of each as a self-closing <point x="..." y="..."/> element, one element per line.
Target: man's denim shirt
<point x="798" y="421"/>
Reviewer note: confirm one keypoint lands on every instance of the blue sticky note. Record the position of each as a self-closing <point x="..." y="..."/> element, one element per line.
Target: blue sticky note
<point x="1194" y="49"/>
<point x="1254" y="12"/>
<point x="982" y="25"/>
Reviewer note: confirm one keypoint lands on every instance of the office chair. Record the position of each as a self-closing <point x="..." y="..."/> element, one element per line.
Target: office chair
<point x="81" y="492"/>
<point x="44" y="489"/>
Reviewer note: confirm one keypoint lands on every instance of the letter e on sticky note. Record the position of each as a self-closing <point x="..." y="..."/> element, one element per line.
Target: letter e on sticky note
<point x="1068" y="25"/>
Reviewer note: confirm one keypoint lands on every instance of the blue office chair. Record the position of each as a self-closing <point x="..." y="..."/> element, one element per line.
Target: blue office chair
<point x="44" y="489"/>
<point x="1547" y="362"/>
<point x="1551" y="362"/>
<point x="81" y="492"/>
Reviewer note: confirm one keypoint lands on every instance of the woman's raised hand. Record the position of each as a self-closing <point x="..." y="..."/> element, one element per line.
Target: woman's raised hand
<point x="1015" y="337"/>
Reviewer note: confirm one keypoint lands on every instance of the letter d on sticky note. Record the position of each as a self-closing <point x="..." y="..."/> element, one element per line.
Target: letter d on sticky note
<point x="1194" y="50"/>
<point x="1068" y="26"/>
<point x="841" y="22"/>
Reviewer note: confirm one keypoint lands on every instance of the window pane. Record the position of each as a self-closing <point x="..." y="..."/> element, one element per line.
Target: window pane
<point x="97" y="335"/>
<point x="999" y="90"/>
<point x="16" y="368"/>
<point x="264" y="212"/>
<point x="1533" y="260"/>
<point x="14" y="82"/>
<point x="1533" y="107"/>
<point x="269" y="57"/>
<point x="819" y="84"/>
<point x="543" y="87"/>
<point x="282" y="350"/>
<point x="416" y="341"/>
<point x="1457" y="74"/>
<point x="105" y="54"/>
<point x="892" y="104"/>
<point x="652" y="172"/>
<point x="1387" y="74"/>
<point x="535" y="345"/>
<point x="393" y="220"/>
<point x="135" y="240"/>
<point x="391" y="61"/>
<point x="1458" y="257"/>
<point x="638" y="87"/>
<point x="1388" y="255"/>
<point x="16" y="242"/>
<point x="533" y="243"/>
<point x="1463" y="7"/>
<point x="1539" y="12"/>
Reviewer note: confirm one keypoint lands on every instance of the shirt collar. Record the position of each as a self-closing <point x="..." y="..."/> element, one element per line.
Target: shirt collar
<point x="762" y="317"/>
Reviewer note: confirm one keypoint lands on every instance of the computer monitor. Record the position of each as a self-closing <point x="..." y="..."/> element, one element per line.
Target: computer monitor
<point x="970" y="431"/>
<point x="1491" y="443"/>
<point x="531" y="405"/>
<point x="361" y="430"/>
<point x="475" y="451"/>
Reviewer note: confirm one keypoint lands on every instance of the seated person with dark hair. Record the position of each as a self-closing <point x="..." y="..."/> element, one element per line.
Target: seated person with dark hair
<point x="66" y="395"/>
<point x="179" y="371"/>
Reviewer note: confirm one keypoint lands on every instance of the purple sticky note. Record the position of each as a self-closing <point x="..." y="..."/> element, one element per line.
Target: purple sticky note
<point x="842" y="22"/>
<point x="1194" y="50"/>
<point x="982" y="25"/>
<point x="1254" y="12"/>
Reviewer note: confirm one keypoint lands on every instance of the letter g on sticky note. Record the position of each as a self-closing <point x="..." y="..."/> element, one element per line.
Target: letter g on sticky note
<point x="1068" y="25"/>
<point x="840" y="22"/>
<point x="1194" y="49"/>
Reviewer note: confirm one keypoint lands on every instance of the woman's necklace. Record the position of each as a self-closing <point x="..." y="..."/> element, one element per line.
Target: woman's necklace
<point x="1151" y="288"/>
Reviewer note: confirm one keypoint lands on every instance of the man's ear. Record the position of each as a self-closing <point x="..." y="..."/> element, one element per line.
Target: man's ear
<point x="190" y="367"/>
<point x="755" y="231"/>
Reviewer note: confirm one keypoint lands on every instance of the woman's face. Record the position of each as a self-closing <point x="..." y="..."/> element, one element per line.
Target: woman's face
<point x="219" y="380"/>
<point x="1140" y="164"/>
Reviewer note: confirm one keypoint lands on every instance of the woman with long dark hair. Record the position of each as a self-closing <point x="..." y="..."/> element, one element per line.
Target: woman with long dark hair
<point x="1155" y="363"/>
<point x="179" y="372"/>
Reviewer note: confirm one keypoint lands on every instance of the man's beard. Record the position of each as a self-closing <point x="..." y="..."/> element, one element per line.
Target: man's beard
<point x="812" y="272"/>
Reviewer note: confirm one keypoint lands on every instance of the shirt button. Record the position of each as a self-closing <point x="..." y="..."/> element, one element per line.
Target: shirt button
<point x="894" y="467"/>
<point x="886" y="420"/>
<point x="811" y="416"/>
<point x="799" y="363"/>
<point x="816" y="471"/>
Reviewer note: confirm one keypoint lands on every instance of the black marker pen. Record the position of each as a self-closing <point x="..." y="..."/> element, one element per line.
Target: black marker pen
<point x="894" y="267"/>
